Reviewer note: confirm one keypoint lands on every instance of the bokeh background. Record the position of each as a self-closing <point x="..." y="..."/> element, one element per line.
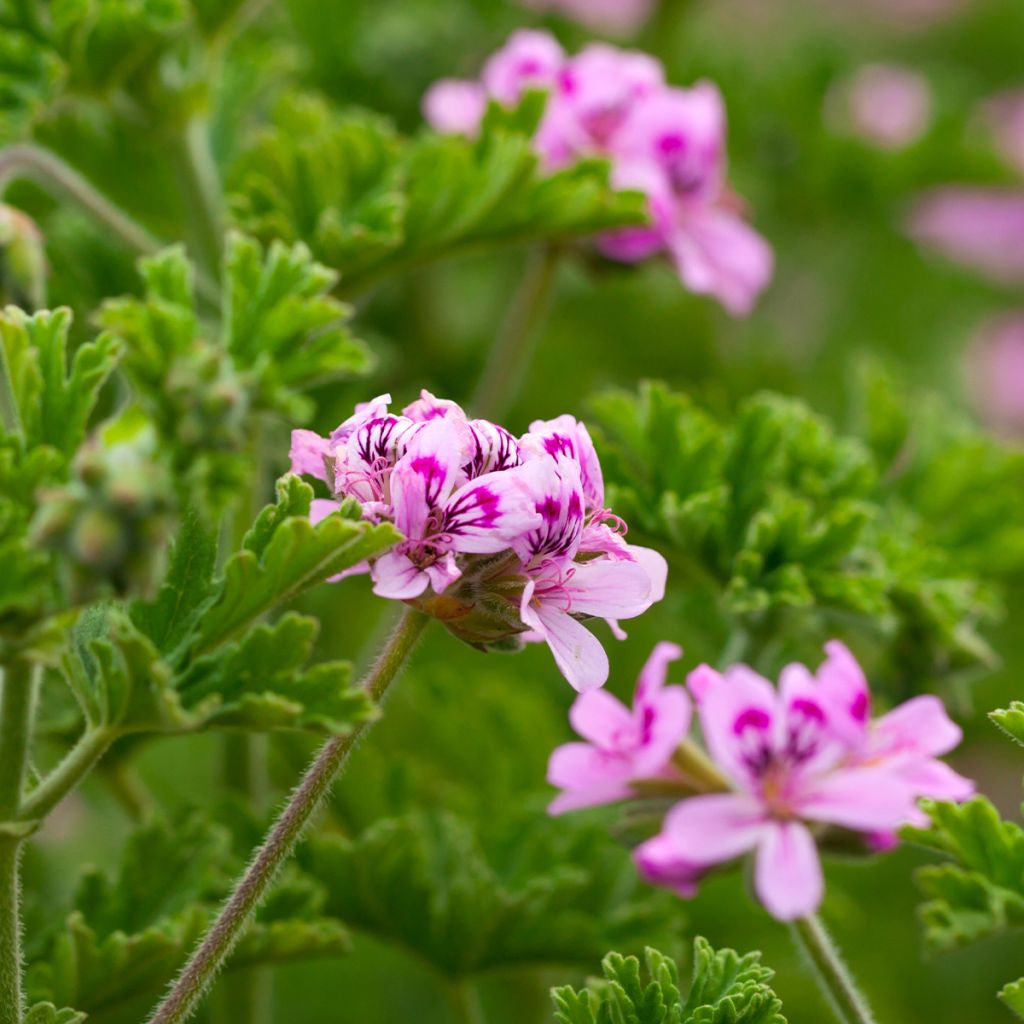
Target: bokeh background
<point x="854" y="294"/>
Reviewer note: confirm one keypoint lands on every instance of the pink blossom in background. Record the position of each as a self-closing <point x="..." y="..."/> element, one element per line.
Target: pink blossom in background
<point x="995" y="373"/>
<point x="982" y="228"/>
<point x="666" y="142"/>
<point x="622" y="745"/>
<point x="470" y="498"/>
<point x="617" y="17"/>
<point x="1004" y="116"/>
<point x="885" y="105"/>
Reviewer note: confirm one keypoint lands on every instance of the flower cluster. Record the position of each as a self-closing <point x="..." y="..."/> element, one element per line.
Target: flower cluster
<point x="791" y="763"/>
<point x="666" y="142"/>
<point x="503" y="536"/>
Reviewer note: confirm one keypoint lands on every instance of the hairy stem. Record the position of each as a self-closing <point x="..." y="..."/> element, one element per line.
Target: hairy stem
<point x="77" y="763"/>
<point x="251" y="888"/>
<point x="17" y="701"/>
<point x="513" y="348"/>
<point x="833" y="976"/>
<point x="63" y="182"/>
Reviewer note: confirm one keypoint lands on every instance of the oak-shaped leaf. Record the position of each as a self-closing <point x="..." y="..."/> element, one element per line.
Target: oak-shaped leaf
<point x="725" y="988"/>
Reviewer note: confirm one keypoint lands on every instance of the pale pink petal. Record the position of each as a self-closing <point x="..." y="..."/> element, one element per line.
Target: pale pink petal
<point x="577" y="652"/>
<point x="787" y="871"/>
<point x="443" y="573"/>
<point x="394" y="576"/>
<point x="307" y="453"/>
<point x="869" y="799"/>
<point x="490" y="513"/>
<point x="702" y="679"/>
<point x="710" y="829"/>
<point x="530" y="59"/>
<point x="717" y="253"/>
<point x="321" y="508"/>
<point x="609" y="588"/>
<point x="670" y="713"/>
<point x="654" y="565"/>
<point x="424" y="477"/>
<point x="927" y="777"/>
<point x="919" y="725"/>
<point x="364" y="412"/>
<point x="599" y="717"/>
<point x="653" y="674"/>
<point x="844" y="688"/>
<point x="587" y="776"/>
<point x="737" y="717"/>
<point x="453" y="106"/>
<point x="661" y="863"/>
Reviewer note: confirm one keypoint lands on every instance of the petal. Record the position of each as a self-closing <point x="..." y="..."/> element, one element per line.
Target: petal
<point x="588" y="777"/>
<point x="668" y="715"/>
<point x="920" y="725"/>
<point x="737" y="718"/>
<point x="578" y="653"/>
<point x="654" y="564"/>
<point x="454" y="106"/>
<point x="307" y="453"/>
<point x="609" y="588"/>
<point x="652" y="675"/>
<point x="394" y="576"/>
<point x="443" y="573"/>
<point x="598" y="717"/>
<point x="321" y="508"/>
<point x="490" y="513"/>
<point x="934" y="779"/>
<point x="557" y="496"/>
<point x="701" y="680"/>
<point x="871" y="799"/>
<point x="660" y="862"/>
<point x="423" y="478"/>
<point x="717" y="253"/>
<point x="709" y="829"/>
<point x="787" y="871"/>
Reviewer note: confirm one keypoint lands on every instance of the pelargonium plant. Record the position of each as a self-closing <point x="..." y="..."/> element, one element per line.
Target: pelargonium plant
<point x="666" y="142"/>
<point x="504" y="537"/>
<point x="787" y="767"/>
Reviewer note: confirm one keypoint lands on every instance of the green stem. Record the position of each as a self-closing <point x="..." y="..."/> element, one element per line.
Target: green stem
<point x="833" y="976"/>
<point x="251" y="888"/>
<point x="17" y="701"/>
<point x="77" y="763"/>
<point x="63" y="182"/>
<point x="699" y="768"/>
<point x="464" y="998"/>
<point x="201" y="189"/>
<point x="513" y="348"/>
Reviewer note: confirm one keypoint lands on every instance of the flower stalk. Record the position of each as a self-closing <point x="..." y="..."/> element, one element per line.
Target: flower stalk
<point x="513" y="349"/>
<point x="833" y="976"/>
<point x="252" y="887"/>
<point x="17" y="701"/>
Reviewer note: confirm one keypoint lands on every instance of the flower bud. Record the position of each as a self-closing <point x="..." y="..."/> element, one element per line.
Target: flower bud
<point x="23" y="258"/>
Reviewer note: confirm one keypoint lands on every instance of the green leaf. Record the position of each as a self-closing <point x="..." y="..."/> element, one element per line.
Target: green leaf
<point x="128" y="933"/>
<point x="278" y="567"/>
<point x="53" y="404"/>
<point x="726" y="988"/>
<point x="541" y="896"/>
<point x="47" y="1013"/>
<point x="980" y="890"/>
<point x="1011" y="720"/>
<point x="1012" y="995"/>
<point x="373" y="205"/>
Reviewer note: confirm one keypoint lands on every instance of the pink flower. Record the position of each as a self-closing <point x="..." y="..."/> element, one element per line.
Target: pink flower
<point x="440" y="518"/>
<point x="1004" y="115"/>
<point x="995" y="373"/>
<point x="617" y="17"/>
<point x="665" y="142"/>
<point x="887" y="106"/>
<point x="622" y="745"/>
<point x="455" y="107"/>
<point x="797" y="758"/>
<point x="514" y="532"/>
<point x="980" y="228"/>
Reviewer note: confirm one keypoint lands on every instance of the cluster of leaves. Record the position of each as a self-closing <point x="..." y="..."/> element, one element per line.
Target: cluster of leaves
<point x="979" y="890"/>
<point x="46" y="409"/>
<point x="726" y="988"/>
<point x="535" y="895"/>
<point x="207" y="387"/>
<point x="125" y="935"/>
<point x="781" y="514"/>
<point x="197" y="654"/>
<point x="371" y="203"/>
